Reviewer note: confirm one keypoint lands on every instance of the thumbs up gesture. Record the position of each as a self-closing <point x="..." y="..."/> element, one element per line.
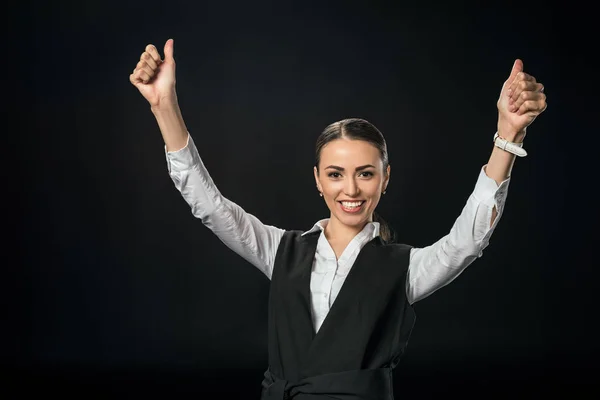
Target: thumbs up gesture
<point x="155" y="77"/>
<point x="521" y="100"/>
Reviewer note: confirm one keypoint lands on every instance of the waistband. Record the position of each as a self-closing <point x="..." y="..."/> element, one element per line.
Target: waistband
<point x="360" y="384"/>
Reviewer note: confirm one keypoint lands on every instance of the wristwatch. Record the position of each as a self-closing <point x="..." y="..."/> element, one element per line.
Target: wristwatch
<point x="512" y="147"/>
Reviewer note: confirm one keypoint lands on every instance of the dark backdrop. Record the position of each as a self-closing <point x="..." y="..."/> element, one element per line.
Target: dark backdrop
<point x="114" y="288"/>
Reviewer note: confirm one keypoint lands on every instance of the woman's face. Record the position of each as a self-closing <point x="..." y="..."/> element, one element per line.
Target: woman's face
<point x="351" y="178"/>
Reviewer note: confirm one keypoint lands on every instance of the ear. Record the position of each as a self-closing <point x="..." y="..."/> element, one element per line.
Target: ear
<point x="316" y="172"/>
<point x="388" y="170"/>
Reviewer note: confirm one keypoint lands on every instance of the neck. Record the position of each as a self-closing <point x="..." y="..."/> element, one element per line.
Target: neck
<point x="338" y="232"/>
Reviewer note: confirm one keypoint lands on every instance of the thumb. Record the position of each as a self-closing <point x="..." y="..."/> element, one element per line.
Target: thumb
<point x="516" y="68"/>
<point x="169" y="50"/>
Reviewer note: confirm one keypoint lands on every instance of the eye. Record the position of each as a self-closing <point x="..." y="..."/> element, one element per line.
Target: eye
<point x="334" y="175"/>
<point x="366" y="174"/>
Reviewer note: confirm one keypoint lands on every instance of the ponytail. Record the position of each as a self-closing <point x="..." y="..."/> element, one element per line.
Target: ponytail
<point x="386" y="233"/>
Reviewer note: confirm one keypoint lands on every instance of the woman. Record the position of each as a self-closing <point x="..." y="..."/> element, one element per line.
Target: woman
<point x="341" y="293"/>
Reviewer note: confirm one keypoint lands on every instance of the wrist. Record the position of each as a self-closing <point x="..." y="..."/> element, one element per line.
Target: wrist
<point x="511" y="135"/>
<point x="166" y="104"/>
<point x="509" y="146"/>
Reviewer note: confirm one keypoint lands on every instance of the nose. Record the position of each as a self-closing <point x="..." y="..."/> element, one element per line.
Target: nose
<point x="351" y="188"/>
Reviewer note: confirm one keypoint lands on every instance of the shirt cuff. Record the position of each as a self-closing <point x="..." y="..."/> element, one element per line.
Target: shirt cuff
<point x="489" y="195"/>
<point x="184" y="158"/>
<point x="488" y="191"/>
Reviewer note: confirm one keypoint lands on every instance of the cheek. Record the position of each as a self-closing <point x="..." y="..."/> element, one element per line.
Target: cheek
<point x="372" y="189"/>
<point x="374" y="201"/>
<point x="332" y="188"/>
<point x="369" y="189"/>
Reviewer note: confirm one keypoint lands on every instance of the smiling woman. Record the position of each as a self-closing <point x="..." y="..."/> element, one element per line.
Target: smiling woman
<point x="352" y="171"/>
<point x="341" y="293"/>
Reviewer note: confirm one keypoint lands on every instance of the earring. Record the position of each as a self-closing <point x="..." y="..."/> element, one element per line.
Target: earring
<point x="321" y="194"/>
<point x="384" y="192"/>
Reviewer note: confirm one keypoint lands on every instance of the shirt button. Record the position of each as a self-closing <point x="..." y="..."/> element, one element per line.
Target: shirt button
<point x="325" y="295"/>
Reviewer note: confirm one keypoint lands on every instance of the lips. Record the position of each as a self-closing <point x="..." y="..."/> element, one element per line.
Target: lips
<point x="351" y="207"/>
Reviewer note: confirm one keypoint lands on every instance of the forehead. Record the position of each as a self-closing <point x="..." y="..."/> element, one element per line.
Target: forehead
<point x="347" y="153"/>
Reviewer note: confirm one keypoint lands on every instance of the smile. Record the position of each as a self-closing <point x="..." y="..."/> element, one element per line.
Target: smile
<point x="351" y="206"/>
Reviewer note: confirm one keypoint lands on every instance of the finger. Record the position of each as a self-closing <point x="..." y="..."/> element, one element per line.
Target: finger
<point x="141" y="75"/>
<point x="143" y="65"/>
<point x="149" y="60"/>
<point x="527" y="77"/>
<point x="151" y="49"/>
<point x="513" y="89"/>
<point x="522" y="98"/>
<point x="133" y="79"/>
<point x="525" y="96"/>
<point x="520" y="87"/>
<point x="516" y="68"/>
<point x="169" y="50"/>
<point x="533" y="106"/>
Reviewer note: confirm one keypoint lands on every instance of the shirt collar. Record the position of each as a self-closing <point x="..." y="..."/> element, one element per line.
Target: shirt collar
<point x="321" y="224"/>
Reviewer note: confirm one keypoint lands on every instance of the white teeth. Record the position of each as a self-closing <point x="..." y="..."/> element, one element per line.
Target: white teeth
<point x="351" y="204"/>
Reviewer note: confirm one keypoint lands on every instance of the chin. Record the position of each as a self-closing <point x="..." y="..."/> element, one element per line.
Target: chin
<point x="352" y="220"/>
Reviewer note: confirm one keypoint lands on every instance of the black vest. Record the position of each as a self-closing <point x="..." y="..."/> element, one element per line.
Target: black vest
<point x="362" y="338"/>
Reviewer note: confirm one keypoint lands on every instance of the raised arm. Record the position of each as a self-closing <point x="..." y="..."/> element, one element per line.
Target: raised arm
<point x="240" y="231"/>
<point x="431" y="268"/>
<point x="155" y="79"/>
<point x="521" y="100"/>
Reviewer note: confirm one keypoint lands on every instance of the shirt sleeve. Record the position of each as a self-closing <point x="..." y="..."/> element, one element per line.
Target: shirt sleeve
<point x="435" y="266"/>
<point x="240" y="231"/>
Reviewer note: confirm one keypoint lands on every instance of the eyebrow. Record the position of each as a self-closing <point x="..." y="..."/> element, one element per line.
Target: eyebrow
<point x="357" y="168"/>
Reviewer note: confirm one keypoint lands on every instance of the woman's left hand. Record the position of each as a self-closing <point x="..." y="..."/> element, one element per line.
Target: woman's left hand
<point x="521" y="100"/>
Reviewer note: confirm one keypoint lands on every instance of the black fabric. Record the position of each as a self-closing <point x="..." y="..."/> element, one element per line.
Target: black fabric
<point x="363" y="337"/>
<point x="359" y="384"/>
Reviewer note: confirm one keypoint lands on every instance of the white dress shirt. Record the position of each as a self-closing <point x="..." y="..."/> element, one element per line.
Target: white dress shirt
<point x="430" y="267"/>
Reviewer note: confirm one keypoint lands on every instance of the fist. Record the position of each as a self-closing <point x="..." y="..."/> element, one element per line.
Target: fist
<point x="521" y="100"/>
<point x="153" y="76"/>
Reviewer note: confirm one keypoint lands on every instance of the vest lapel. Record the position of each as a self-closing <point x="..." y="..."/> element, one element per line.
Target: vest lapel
<point x="350" y="293"/>
<point x="304" y="270"/>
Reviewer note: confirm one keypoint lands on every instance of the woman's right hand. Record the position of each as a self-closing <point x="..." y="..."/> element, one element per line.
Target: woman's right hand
<point x="155" y="77"/>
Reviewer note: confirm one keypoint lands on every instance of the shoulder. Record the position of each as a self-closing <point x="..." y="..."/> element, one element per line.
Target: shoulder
<point x="293" y="250"/>
<point x="296" y="236"/>
<point x="394" y="249"/>
<point x="292" y="238"/>
<point x="293" y="234"/>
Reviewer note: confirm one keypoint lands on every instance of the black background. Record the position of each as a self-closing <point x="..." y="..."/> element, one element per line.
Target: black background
<point x="113" y="288"/>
